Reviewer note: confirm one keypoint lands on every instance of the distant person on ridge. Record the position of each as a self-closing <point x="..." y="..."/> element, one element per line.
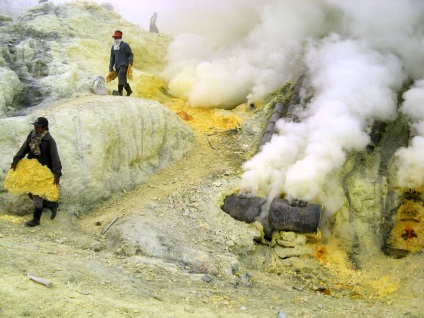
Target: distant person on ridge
<point x="153" y="27"/>
<point x="121" y="57"/>
<point x="40" y="145"/>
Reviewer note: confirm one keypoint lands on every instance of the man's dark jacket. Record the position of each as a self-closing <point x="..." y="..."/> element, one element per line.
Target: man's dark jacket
<point x="48" y="157"/>
<point x="121" y="57"/>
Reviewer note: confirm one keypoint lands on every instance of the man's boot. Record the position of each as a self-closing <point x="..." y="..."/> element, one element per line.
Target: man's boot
<point x="35" y="218"/>
<point x="54" y="207"/>
<point x="120" y="89"/>
<point x="128" y="89"/>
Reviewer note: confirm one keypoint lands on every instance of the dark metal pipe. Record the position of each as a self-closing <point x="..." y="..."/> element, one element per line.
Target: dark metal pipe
<point x="245" y="209"/>
<point x="288" y="217"/>
<point x="294" y="100"/>
<point x="282" y="110"/>
<point x="279" y="111"/>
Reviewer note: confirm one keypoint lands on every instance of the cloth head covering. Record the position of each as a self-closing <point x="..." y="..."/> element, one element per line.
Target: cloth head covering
<point x="117" y="34"/>
<point x="41" y="122"/>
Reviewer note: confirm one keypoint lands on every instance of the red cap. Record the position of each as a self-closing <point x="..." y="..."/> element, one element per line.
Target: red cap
<point x="118" y="34"/>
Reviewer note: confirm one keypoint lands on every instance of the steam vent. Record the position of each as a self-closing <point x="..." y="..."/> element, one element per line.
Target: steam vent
<point x="296" y="215"/>
<point x="397" y="233"/>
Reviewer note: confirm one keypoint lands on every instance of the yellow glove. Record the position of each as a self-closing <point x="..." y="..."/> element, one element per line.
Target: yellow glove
<point x="129" y="72"/>
<point x="111" y="76"/>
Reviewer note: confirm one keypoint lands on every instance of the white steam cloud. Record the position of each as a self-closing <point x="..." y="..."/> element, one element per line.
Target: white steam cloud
<point x="411" y="164"/>
<point x="243" y="49"/>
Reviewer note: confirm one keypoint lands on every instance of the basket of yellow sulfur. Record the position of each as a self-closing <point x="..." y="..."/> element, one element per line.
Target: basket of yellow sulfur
<point x="32" y="177"/>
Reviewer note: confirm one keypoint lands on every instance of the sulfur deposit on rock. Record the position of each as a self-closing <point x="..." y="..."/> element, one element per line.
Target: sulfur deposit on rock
<point x="32" y="177"/>
<point x="290" y="244"/>
<point x="408" y="232"/>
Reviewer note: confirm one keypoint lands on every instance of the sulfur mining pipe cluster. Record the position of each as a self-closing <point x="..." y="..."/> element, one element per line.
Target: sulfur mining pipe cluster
<point x="294" y="101"/>
<point x="283" y="215"/>
<point x="279" y="111"/>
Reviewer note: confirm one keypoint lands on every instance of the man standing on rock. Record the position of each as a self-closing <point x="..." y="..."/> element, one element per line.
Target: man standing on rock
<point x="40" y="145"/>
<point x="153" y="28"/>
<point x="121" y="57"/>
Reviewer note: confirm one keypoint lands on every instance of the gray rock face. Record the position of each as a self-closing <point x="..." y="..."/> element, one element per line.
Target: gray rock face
<point x="11" y="89"/>
<point x="106" y="144"/>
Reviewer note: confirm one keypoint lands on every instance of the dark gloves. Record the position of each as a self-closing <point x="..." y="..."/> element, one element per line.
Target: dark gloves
<point x="14" y="165"/>
<point x="56" y="180"/>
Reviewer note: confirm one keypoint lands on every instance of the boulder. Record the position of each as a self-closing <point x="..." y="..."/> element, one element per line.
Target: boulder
<point x="99" y="87"/>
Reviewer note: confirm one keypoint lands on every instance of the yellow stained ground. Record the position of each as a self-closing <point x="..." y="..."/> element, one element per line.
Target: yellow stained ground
<point x="204" y="120"/>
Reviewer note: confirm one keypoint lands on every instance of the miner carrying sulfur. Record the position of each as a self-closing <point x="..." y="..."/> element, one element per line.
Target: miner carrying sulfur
<point x="121" y="57"/>
<point x="40" y="145"/>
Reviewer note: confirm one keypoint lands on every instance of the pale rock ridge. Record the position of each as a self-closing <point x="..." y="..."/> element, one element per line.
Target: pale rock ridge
<point x="107" y="144"/>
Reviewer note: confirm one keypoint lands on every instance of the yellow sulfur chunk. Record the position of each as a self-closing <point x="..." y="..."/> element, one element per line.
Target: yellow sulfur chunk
<point x="32" y="177"/>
